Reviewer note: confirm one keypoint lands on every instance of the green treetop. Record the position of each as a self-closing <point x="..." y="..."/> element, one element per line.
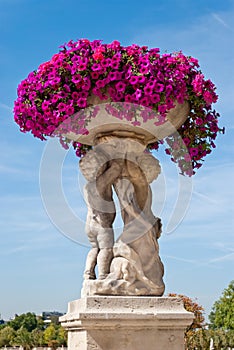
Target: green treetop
<point x="222" y="314"/>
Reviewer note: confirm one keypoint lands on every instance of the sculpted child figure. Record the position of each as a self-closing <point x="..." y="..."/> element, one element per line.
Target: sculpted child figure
<point x="101" y="173"/>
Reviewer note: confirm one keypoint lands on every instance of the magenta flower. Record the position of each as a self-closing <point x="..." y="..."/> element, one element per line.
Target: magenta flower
<point x="62" y="107"/>
<point x="106" y="62"/>
<point x="82" y="102"/>
<point x="145" y="101"/>
<point x="70" y="110"/>
<point x="144" y="70"/>
<point x="112" y="76"/>
<point x="76" y="78"/>
<point x="155" y="98"/>
<point x="61" y="87"/>
<point x="129" y="98"/>
<point x="82" y="66"/>
<point x="162" y="109"/>
<point x="141" y="79"/>
<point x="100" y="83"/>
<point x="45" y="105"/>
<point x="75" y="95"/>
<point x="114" y="64"/>
<point x="198" y="83"/>
<point x="199" y="121"/>
<point x="120" y="86"/>
<point x="96" y="67"/>
<point x="94" y="75"/>
<point x="133" y="80"/>
<point x="159" y="87"/>
<point x="148" y="90"/>
<point x="193" y="151"/>
<point x="138" y="94"/>
<point x="208" y="97"/>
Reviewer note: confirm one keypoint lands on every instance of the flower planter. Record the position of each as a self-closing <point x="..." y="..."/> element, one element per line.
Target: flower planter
<point x="105" y="123"/>
<point x="86" y="72"/>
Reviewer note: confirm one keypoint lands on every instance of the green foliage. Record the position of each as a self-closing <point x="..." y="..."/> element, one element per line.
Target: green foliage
<point x="28" y="321"/>
<point x="201" y="339"/>
<point x="62" y="336"/>
<point x="7" y="334"/>
<point x="197" y="339"/>
<point x="38" y="337"/>
<point x="222" y="314"/>
<point x="50" y="333"/>
<point x="40" y="323"/>
<point x="23" y="338"/>
<point x="55" y="336"/>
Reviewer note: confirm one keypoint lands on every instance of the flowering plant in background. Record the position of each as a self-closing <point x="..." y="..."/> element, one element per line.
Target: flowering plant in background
<point x="64" y="85"/>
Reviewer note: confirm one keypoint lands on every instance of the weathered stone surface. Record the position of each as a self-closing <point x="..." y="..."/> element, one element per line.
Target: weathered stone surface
<point x="129" y="273"/>
<point x="132" y="265"/>
<point x="126" y="323"/>
<point x="105" y="122"/>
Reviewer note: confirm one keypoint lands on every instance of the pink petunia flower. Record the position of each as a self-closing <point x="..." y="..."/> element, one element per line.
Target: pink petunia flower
<point x="120" y="86"/>
<point x="193" y="151"/>
<point x="133" y="80"/>
<point x="82" y="102"/>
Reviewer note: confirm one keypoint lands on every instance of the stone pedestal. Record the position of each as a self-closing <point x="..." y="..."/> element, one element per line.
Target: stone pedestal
<point x="126" y="323"/>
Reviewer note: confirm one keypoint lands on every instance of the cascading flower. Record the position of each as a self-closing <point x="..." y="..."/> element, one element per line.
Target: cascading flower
<point x="63" y="86"/>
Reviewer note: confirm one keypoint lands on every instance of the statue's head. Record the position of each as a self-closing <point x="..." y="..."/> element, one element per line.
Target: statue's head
<point x="93" y="164"/>
<point x="150" y="166"/>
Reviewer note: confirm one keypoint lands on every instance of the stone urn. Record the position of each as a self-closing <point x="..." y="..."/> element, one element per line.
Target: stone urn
<point x="106" y="123"/>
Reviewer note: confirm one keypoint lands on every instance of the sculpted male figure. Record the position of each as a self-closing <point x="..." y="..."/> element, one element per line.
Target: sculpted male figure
<point x="132" y="265"/>
<point x="141" y="228"/>
<point x="101" y="173"/>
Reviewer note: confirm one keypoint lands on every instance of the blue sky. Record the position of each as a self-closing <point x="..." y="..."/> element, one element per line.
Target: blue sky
<point x="40" y="268"/>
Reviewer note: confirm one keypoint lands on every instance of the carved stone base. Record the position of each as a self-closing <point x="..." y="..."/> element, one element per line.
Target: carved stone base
<point x="126" y="323"/>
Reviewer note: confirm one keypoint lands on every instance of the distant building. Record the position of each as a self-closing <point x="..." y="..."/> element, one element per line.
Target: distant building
<point x="51" y="316"/>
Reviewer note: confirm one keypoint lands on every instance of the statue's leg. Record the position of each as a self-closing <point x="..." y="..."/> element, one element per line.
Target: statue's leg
<point x="91" y="263"/>
<point x="105" y="240"/>
<point x="104" y="259"/>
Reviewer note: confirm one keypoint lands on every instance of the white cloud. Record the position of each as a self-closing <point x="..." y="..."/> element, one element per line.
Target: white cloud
<point x="220" y="20"/>
<point x="226" y="257"/>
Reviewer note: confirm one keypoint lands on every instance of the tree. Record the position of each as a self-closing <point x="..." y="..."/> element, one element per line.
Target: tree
<point x="38" y="337"/>
<point x="197" y="339"/>
<point x="40" y="323"/>
<point x="55" y="336"/>
<point x="50" y="333"/>
<point x="28" y="321"/>
<point x="62" y="336"/>
<point x="7" y="334"/>
<point x="23" y="338"/>
<point x="222" y="313"/>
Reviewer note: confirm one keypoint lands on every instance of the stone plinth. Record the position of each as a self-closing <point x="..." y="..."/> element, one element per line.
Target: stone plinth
<point x="126" y="323"/>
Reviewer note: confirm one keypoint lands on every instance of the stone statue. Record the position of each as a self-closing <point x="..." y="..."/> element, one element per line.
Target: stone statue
<point x="101" y="175"/>
<point x="132" y="265"/>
